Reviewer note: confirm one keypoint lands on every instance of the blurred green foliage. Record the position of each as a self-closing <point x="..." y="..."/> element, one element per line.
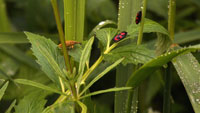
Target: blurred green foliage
<point x="17" y="61"/>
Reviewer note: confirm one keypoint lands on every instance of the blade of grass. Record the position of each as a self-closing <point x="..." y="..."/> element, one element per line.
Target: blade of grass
<point x="11" y="107"/>
<point x="188" y="36"/>
<point x="143" y="72"/>
<point x="188" y="69"/>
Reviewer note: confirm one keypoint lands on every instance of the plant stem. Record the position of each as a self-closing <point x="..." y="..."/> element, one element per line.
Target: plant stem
<point x="140" y="35"/>
<point x="133" y="95"/>
<point x="168" y="76"/>
<point x="167" y="90"/>
<point x="61" y="34"/>
<point x="87" y="73"/>
<point x="171" y="18"/>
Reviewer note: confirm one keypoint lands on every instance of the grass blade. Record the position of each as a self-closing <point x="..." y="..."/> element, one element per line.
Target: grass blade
<point x="188" y="69"/>
<point x="185" y="37"/>
<point x="11" y="107"/>
<point x="142" y="73"/>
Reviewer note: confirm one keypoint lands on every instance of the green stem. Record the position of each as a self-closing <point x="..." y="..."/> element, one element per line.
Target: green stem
<point x="133" y="95"/>
<point x="167" y="90"/>
<point x="140" y="35"/>
<point x="171" y="18"/>
<point x="87" y="73"/>
<point x="61" y="34"/>
<point x="168" y="76"/>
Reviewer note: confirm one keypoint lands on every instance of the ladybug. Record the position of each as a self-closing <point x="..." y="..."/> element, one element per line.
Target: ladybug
<point x="120" y="36"/>
<point x="69" y="44"/>
<point x="138" y="17"/>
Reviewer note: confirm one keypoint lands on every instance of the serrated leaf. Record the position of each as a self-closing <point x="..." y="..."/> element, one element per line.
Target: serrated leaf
<point x="84" y="57"/>
<point x="32" y="103"/>
<point x="38" y="85"/>
<point x="149" y="26"/>
<point x="105" y="36"/>
<point x="188" y="69"/>
<point x="132" y="53"/>
<point x="48" y="56"/>
<point x="147" y="69"/>
<point x="3" y="89"/>
<point x="11" y="107"/>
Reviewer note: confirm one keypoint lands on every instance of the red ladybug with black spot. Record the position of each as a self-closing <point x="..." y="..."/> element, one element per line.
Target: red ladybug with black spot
<point x="120" y="36"/>
<point x="138" y="17"/>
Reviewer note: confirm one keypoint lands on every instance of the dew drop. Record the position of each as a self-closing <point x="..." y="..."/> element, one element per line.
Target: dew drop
<point x="101" y="23"/>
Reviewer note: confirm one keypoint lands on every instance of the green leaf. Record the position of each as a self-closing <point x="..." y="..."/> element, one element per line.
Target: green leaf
<point x="38" y="85"/>
<point x="106" y="91"/>
<point x="105" y="36"/>
<point x="188" y="36"/>
<point x="83" y="107"/>
<point x="4" y="21"/>
<point x="162" y="43"/>
<point x="76" y="52"/>
<point x="84" y="57"/>
<point x="102" y="74"/>
<point x="62" y="107"/>
<point x="147" y="69"/>
<point x="188" y="69"/>
<point x="48" y="56"/>
<point x="132" y="53"/>
<point x="3" y="89"/>
<point x="126" y="16"/>
<point x="101" y="25"/>
<point x="32" y="103"/>
<point x="149" y="26"/>
<point x="11" y="107"/>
